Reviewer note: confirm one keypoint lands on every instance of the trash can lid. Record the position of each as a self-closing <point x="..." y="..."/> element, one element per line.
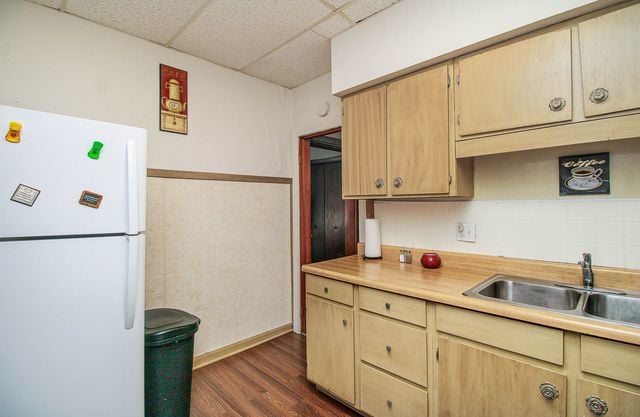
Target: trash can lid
<point x="167" y="325"/>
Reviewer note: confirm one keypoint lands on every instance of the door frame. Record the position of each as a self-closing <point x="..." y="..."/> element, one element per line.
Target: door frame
<point x="350" y="215"/>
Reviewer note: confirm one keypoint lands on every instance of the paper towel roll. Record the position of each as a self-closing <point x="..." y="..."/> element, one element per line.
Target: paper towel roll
<point x="372" y="247"/>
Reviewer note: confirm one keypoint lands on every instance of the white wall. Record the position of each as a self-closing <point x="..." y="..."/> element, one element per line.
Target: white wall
<point x="59" y="63"/>
<point x="415" y="33"/>
<point x="307" y="99"/>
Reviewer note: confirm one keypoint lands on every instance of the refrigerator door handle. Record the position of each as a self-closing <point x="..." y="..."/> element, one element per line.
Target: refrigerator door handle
<point x="131" y="294"/>
<point x="132" y="187"/>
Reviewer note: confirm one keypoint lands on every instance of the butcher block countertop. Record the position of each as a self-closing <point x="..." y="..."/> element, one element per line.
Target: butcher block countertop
<point x="460" y="272"/>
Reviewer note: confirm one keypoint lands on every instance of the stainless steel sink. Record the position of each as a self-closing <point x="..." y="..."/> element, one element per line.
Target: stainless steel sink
<point x="595" y="303"/>
<point x="621" y="308"/>
<point x="532" y="293"/>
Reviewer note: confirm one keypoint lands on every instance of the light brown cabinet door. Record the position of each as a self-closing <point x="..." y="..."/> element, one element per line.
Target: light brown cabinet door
<point x="610" y="56"/>
<point x="522" y="84"/>
<point x="598" y="399"/>
<point x="473" y="382"/>
<point x="418" y="117"/>
<point x="330" y="358"/>
<point x="364" y="143"/>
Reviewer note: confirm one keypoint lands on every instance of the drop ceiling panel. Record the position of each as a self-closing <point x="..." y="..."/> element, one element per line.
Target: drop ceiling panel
<point x="338" y="3"/>
<point x="235" y="33"/>
<point x="361" y="9"/>
<point x="301" y="60"/>
<point x="49" y="3"/>
<point x="156" y="20"/>
<point x="332" y="26"/>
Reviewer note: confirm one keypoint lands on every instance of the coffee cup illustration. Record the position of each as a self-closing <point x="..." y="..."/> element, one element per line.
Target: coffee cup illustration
<point x="586" y="172"/>
<point x="583" y="176"/>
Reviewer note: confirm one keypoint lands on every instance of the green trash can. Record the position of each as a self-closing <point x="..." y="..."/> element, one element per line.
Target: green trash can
<point x="168" y="361"/>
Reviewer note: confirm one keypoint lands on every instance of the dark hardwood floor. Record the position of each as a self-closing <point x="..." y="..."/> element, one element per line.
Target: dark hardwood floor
<point x="267" y="380"/>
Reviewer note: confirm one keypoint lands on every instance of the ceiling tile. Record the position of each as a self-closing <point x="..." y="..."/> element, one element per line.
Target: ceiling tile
<point x="338" y="3"/>
<point x="157" y="20"/>
<point x="49" y="3"/>
<point x="332" y="26"/>
<point x="235" y="33"/>
<point x="361" y="9"/>
<point x="301" y="60"/>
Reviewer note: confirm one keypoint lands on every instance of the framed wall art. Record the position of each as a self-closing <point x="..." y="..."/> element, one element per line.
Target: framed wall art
<point x="173" y="100"/>
<point x="585" y="174"/>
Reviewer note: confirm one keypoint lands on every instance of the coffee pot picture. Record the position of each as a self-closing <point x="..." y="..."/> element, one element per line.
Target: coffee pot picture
<point x="173" y="100"/>
<point x="173" y="103"/>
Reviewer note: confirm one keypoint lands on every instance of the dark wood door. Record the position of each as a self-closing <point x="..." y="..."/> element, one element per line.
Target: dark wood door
<point x="327" y="211"/>
<point x="333" y="211"/>
<point x="317" y="213"/>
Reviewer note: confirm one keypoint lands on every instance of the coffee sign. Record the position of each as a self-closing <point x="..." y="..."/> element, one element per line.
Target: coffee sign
<point x="584" y="174"/>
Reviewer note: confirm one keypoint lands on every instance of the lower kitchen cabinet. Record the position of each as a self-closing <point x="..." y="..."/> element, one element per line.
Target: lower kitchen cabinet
<point x="595" y="399"/>
<point x="390" y="355"/>
<point x="474" y="382"/>
<point x="330" y="356"/>
<point x="383" y="395"/>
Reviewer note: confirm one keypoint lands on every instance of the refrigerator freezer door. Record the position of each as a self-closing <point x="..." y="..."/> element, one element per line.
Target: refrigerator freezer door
<point x="52" y="157"/>
<point x="65" y="351"/>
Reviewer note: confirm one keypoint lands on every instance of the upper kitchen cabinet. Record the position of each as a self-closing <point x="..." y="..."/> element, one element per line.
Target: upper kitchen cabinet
<point x="418" y="118"/>
<point x="526" y="83"/>
<point x="398" y="140"/>
<point x="364" y="147"/>
<point x="572" y="83"/>
<point x="610" y="58"/>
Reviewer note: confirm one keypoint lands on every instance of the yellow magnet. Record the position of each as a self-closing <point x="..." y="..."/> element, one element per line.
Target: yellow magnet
<point x="13" y="135"/>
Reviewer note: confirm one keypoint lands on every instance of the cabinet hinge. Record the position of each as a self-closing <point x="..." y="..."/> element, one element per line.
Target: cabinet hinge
<point x="458" y="79"/>
<point x="458" y="119"/>
<point x="448" y="81"/>
<point x="450" y="179"/>
<point x="438" y="354"/>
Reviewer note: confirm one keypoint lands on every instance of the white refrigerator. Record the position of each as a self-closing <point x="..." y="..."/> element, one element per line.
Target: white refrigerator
<point x="71" y="266"/>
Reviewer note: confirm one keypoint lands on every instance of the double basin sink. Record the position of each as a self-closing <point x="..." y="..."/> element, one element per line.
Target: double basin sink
<point x="601" y="304"/>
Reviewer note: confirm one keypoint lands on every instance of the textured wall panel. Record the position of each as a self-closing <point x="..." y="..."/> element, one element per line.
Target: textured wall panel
<point x="222" y="251"/>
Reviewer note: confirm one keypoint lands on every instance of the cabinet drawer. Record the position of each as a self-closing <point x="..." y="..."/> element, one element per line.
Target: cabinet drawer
<point x="384" y="395"/>
<point x="618" y="402"/>
<point x="397" y="348"/>
<point x="340" y="292"/>
<point x="615" y="360"/>
<point x="411" y="310"/>
<point x="527" y="339"/>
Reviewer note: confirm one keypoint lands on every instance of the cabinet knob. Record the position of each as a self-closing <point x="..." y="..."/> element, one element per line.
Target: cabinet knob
<point x="557" y="104"/>
<point x="389" y="403"/>
<point x="596" y="405"/>
<point x="397" y="182"/>
<point x="379" y="183"/>
<point x="387" y="306"/>
<point x="326" y="290"/>
<point x="344" y="322"/>
<point x="549" y="391"/>
<point x="599" y="95"/>
<point x="388" y="349"/>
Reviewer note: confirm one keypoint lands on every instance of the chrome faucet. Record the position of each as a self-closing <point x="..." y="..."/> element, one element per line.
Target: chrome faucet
<point x="587" y="272"/>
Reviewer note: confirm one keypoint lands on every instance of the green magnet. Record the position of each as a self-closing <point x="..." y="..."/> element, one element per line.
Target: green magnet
<point x="94" y="153"/>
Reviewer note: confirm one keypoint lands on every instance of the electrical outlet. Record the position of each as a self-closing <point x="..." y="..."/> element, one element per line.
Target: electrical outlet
<point x="466" y="232"/>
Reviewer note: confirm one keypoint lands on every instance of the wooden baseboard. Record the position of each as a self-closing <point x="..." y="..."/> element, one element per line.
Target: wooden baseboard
<point x="218" y="354"/>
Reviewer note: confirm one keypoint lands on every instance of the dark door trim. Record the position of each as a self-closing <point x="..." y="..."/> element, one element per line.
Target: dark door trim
<point x="350" y="215"/>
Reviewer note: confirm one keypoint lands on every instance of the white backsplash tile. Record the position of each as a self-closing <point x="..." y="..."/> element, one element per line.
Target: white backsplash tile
<point x="551" y="230"/>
